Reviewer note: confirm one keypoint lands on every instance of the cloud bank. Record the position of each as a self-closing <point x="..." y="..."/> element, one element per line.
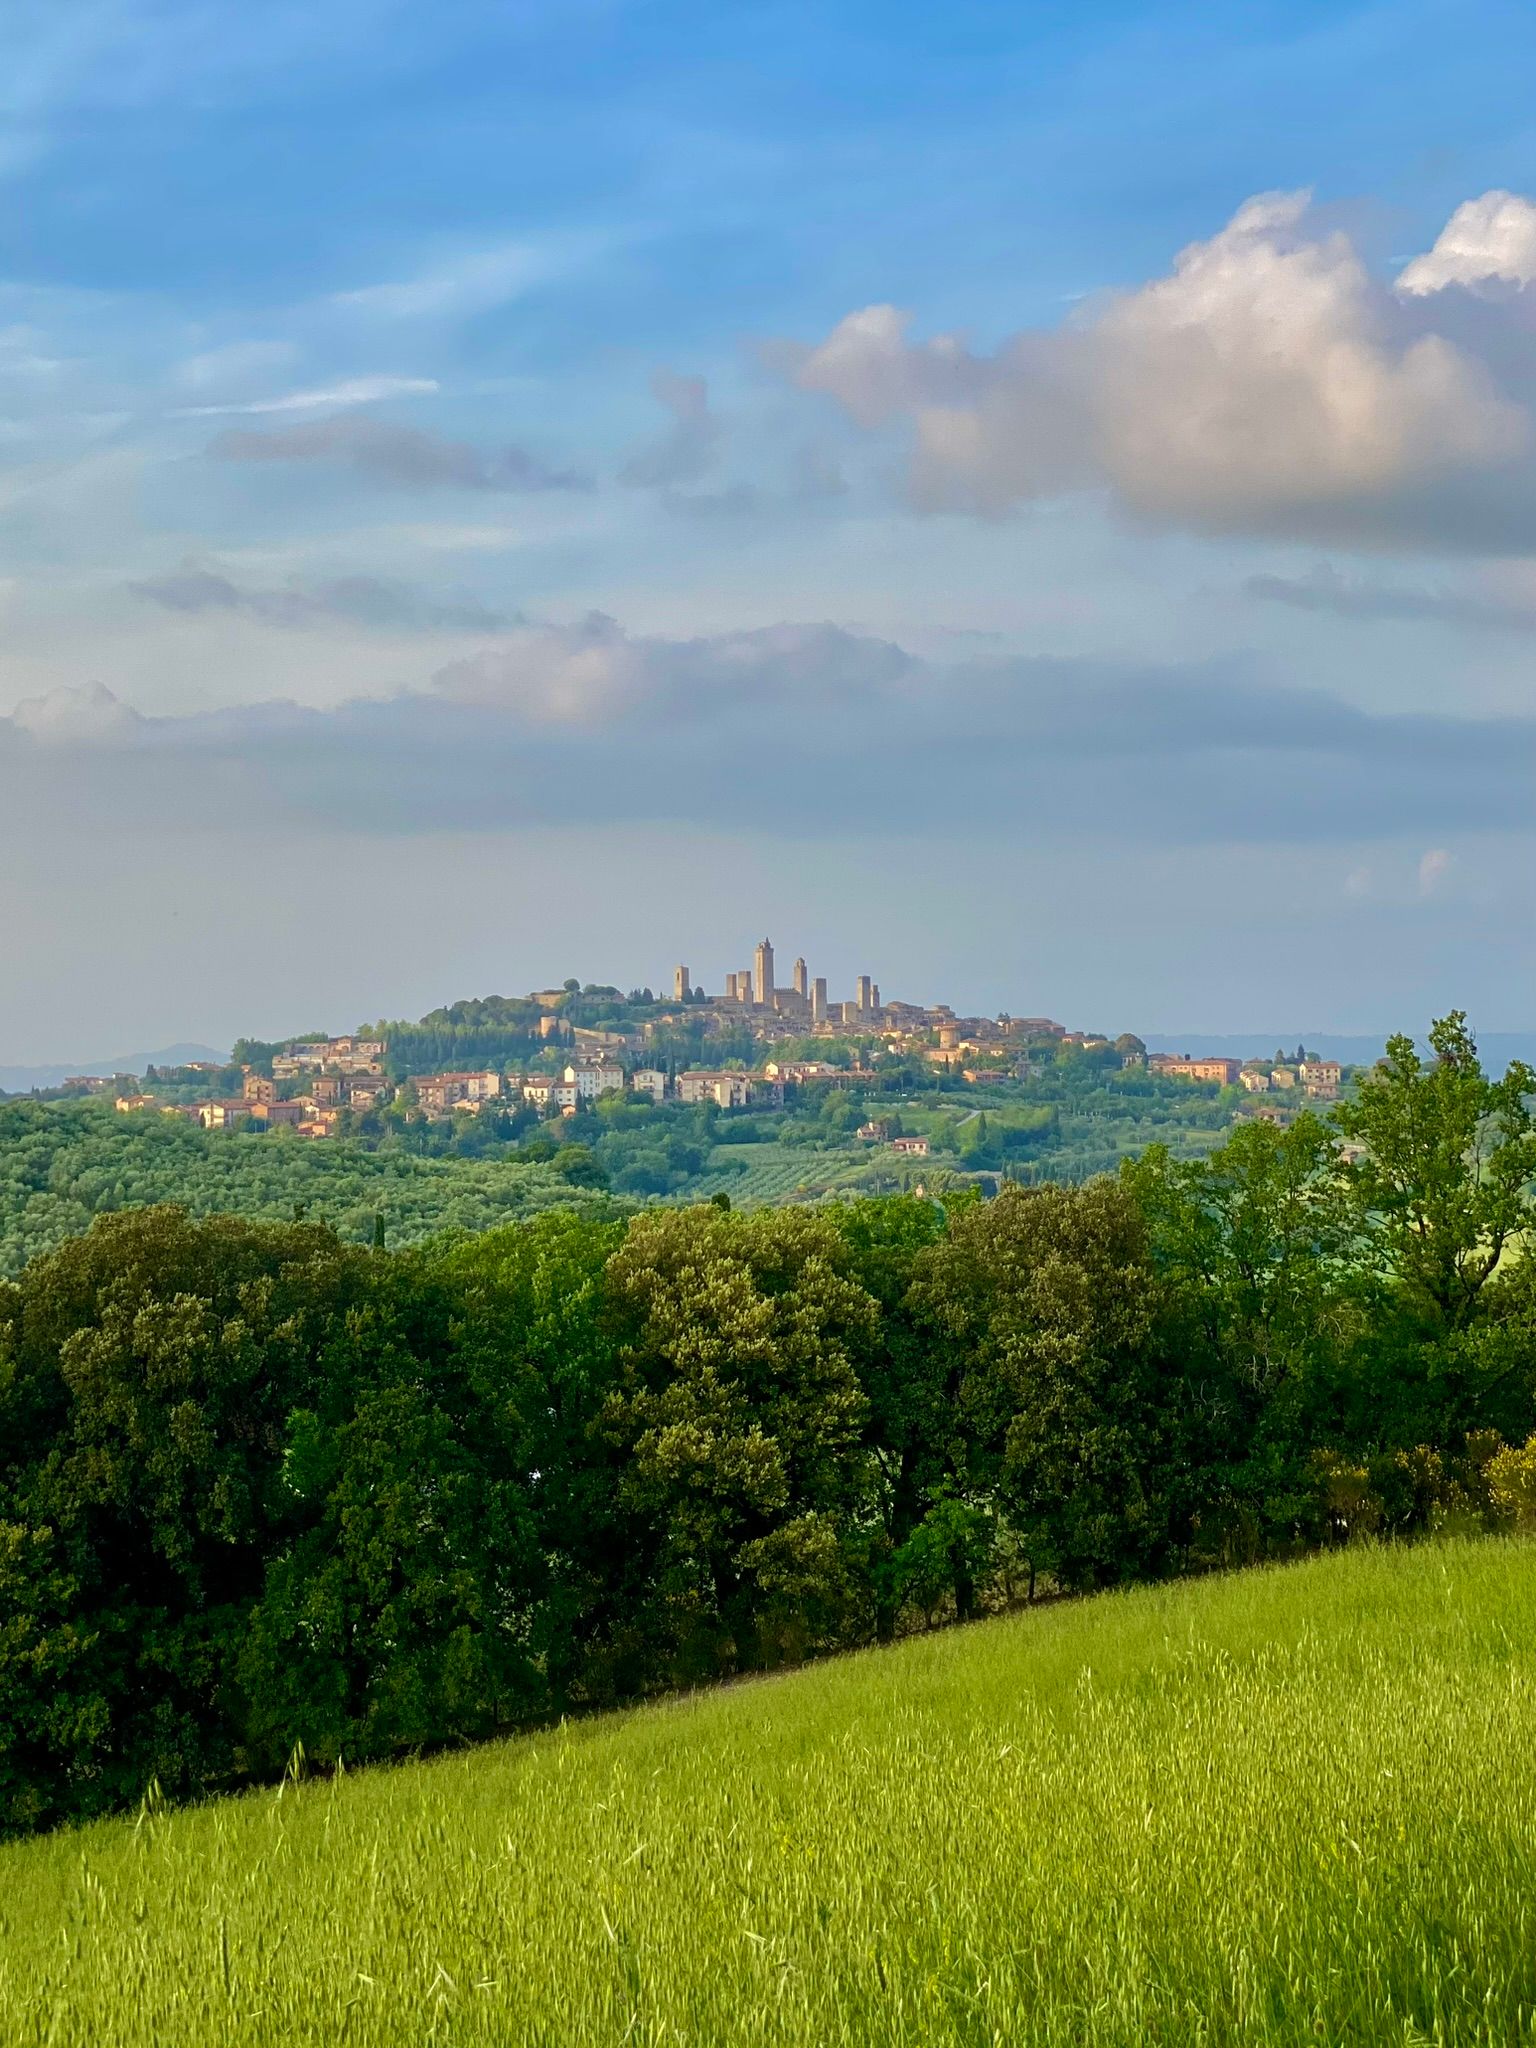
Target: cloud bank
<point x="795" y="730"/>
<point x="1270" y="383"/>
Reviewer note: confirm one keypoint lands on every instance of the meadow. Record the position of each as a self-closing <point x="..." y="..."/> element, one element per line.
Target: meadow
<point x="1288" y="1805"/>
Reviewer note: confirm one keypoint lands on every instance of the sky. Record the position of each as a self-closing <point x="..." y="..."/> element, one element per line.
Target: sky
<point x="1035" y="503"/>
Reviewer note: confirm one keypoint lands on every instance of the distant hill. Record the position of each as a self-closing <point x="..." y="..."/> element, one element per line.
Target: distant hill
<point x="19" y="1080"/>
<point x="1498" y="1048"/>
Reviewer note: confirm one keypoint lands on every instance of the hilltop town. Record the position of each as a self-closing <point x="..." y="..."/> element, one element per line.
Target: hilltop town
<point x="783" y="1035"/>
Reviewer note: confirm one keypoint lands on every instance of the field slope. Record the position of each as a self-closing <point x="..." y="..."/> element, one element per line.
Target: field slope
<point x="1290" y="1806"/>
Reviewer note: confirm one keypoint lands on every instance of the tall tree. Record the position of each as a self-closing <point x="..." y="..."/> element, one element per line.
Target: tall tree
<point x="911" y="1424"/>
<point x="1257" y="1248"/>
<point x="540" y="1343"/>
<point x="147" y="1371"/>
<point x="738" y="1423"/>
<point x="1439" y="1168"/>
<point x="1073" y="1406"/>
<point x="1443" y="1161"/>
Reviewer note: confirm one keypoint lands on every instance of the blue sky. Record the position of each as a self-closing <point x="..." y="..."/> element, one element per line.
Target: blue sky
<point x="489" y="492"/>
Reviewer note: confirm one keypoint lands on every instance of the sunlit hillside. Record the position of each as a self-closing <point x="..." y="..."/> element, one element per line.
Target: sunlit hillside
<point x="1292" y="1805"/>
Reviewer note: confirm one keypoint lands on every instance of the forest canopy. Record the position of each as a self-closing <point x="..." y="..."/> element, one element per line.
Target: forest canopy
<point x="259" y="1486"/>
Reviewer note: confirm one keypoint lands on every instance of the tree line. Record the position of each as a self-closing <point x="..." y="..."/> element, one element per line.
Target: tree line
<point x="260" y="1487"/>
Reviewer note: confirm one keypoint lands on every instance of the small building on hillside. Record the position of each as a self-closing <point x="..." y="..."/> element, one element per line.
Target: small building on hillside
<point x="440" y="1093"/>
<point x="596" y="1077"/>
<point x="1181" y="1067"/>
<point x="731" y="1090"/>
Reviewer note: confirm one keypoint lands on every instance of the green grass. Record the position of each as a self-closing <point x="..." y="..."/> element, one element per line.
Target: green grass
<point x="1295" y="1805"/>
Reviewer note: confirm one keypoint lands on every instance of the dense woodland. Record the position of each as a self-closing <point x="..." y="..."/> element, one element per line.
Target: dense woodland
<point x="259" y="1487"/>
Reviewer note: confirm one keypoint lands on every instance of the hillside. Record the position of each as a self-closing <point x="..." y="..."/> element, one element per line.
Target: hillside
<point x="63" y="1164"/>
<point x="1289" y="1805"/>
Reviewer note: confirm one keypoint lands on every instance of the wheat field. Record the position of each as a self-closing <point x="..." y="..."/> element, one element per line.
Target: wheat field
<point x="1292" y="1805"/>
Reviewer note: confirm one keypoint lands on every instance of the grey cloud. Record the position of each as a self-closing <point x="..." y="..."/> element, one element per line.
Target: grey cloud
<point x="812" y="477"/>
<point x="1268" y="383"/>
<point x="390" y="453"/>
<point x="806" y="731"/>
<point x="345" y="600"/>
<point x="1326" y="591"/>
<point x="595" y="673"/>
<point x="733" y="501"/>
<point x="689" y="447"/>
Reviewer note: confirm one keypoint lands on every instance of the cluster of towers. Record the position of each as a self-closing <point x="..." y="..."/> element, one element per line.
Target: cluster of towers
<point x="755" y="988"/>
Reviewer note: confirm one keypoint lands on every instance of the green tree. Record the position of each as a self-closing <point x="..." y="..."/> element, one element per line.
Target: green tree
<point x="1257" y="1250"/>
<point x="1439" y="1169"/>
<point x="911" y="1426"/>
<point x="401" y="1609"/>
<point x="540" y="1343"/>
<point x="1073" y="1406"/>
<point x="147" y="1371"/>
<point x="737" y="1423"/>
<point x="1257" y="1237"/>
<point x="1445" y="1159"/>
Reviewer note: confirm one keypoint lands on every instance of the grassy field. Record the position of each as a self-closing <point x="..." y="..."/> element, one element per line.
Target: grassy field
<point x="1297" y="1805"/>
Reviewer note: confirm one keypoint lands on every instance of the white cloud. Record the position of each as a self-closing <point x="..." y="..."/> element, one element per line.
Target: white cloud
<point x="552" y="675"/>
<point x="594" y="672"/>
<point x="457" y="287"/>
<point x="870" y="367"/>
<point x="1269" y="382"/>
<point x="1434" y="865"/>
<point x="236" y="363"/>
<point x="76" y="716"/>
<point x="350" y="391"/>
<point x="1491" y="240"/>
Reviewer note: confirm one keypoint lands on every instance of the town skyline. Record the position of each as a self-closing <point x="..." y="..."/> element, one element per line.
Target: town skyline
<point x="650" y="1050"/>
<point x="737" y="991"/>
